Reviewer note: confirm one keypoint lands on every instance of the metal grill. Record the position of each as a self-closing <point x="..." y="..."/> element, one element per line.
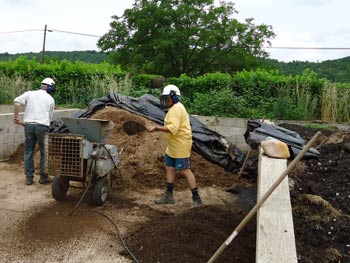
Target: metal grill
<point x="64" y="154"/>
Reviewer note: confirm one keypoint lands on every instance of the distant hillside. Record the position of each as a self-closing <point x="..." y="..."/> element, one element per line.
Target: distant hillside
<point x="84" y="56"/>
<point x="337" y="70"/>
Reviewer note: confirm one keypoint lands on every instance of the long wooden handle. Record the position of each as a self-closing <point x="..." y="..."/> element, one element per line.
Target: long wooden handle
<point x="244" y="165"/>
<point x="263" y="199"/>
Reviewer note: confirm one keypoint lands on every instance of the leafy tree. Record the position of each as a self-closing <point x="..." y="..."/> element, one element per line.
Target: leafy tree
<point x="192" y="37"/>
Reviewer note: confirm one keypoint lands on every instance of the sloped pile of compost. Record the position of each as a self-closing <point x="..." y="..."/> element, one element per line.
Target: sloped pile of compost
<point x="194" y="236"/>
<point x="142" y="155"/>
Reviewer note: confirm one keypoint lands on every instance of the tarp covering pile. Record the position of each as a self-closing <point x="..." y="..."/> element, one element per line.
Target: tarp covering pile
<point x="210" y="144"/>
<point x="257" y="131"/>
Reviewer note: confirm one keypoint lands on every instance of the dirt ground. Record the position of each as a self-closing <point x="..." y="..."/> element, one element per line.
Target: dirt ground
<point x="36" y="228"/>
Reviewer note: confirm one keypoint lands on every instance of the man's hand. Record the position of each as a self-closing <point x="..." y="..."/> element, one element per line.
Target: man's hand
<point x="17" y="108"/>
<point x="15" y="119"/>
<point x="151" y="128"/>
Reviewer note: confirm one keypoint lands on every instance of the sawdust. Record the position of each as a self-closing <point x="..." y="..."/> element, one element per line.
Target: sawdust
<point x="142" y="155"/>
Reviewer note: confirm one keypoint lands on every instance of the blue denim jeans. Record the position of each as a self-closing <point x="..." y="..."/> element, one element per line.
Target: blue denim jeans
<point x="34" y="133"/>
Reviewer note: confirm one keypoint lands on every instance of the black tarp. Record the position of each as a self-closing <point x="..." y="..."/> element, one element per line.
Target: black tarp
<point x="210" y="144"/>
<point x="257" y="131"/>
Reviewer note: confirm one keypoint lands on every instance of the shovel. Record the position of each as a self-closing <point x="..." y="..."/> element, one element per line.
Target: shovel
<point x="235" y="188"/>
<point x="133" y="127"/>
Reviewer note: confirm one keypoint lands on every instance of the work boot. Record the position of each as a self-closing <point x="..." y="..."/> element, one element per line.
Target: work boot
<point x="167" y="198"/>
<point x="29" y="180"/>
<point x="197" y="201"/>
<point x="44" y="180"/>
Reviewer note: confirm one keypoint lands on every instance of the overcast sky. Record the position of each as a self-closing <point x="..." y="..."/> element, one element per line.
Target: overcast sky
<point x="296" y="23"/>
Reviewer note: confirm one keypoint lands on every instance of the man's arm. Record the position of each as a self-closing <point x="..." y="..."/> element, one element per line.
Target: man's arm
<point x="17" y="103"/>
<point x="153" y="128"/>
<point x="17" y="108"/>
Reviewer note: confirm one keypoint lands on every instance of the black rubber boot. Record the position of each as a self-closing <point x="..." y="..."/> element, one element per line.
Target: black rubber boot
<point x="45" y="180"/>
<point x="197" y="201"/>
<point x="29" y="180"/>
<point x="167" y="198"/>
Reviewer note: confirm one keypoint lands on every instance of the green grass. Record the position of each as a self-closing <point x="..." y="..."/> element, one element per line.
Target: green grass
<point x="320" y="126"/>
<point x="70" y="106"/>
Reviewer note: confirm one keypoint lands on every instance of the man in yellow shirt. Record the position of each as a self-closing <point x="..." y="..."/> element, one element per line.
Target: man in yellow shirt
<point x="178" y="135"/>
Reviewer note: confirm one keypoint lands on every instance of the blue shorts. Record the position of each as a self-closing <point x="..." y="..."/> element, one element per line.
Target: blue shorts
<point x="178" y="163"/>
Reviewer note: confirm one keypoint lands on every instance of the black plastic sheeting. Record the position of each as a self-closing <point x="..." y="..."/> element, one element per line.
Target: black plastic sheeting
<point x="210" y="144"/>
<point x="257" y="131"/>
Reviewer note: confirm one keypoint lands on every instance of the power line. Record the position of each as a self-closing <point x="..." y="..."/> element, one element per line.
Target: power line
<point x="75" y="33"/>
<point x="91" y="35"/>
<point x="50" y="30"/>
<point x="20" y="31"/>
<point x="327" y="48"/>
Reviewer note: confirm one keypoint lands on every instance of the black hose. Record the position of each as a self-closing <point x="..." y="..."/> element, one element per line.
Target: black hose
<point x="91" y="177"/>
<point x="119" y="234"/>
<point x="86" y="189"/>
<point x="110" y="155"/>
<point x="100" y="213"/>
<point x="121" y="177"/>
<point x="115" y="165"/>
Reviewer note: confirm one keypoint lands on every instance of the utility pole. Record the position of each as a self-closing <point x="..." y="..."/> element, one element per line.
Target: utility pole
<point x="43" y="53"/>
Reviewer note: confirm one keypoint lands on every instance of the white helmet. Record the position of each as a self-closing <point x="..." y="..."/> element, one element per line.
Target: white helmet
<point x="168" y="88"/>
<point x="48" y="81"/>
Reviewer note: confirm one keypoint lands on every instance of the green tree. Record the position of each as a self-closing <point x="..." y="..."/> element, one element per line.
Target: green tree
<point x="192" y="37"/>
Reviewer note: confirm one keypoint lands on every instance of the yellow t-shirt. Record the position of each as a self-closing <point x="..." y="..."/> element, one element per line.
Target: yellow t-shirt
<point x="179" y="138"/>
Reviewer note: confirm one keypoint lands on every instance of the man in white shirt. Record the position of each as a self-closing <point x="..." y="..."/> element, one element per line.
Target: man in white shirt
<point x="39" y="107"/>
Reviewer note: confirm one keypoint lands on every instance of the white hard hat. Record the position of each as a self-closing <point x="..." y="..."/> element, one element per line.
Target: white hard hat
<point x="168" y="88"/>
<point x="48" y="81"/>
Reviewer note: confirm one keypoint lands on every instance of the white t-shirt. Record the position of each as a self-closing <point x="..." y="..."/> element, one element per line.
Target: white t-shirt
<point x="39" y="106"/>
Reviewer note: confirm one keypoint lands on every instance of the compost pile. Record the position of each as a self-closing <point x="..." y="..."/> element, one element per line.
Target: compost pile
<point x="142" y="155"/>
<point x="321" y="198"/>
<point x="194" y="236"/>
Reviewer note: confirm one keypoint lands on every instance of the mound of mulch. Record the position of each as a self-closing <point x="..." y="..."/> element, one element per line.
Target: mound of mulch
<point x="142" y="155"/>
<point x="194" y="236"/>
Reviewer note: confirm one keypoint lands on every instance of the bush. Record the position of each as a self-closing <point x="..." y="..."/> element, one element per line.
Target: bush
<point x="247" y="94"/>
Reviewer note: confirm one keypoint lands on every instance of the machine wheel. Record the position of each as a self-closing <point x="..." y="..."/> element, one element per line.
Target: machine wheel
<point x="100" y="191"/>
<point x="59" y="188"/>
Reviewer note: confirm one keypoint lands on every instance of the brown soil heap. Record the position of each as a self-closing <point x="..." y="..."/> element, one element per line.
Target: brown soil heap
<point x="194" y="236"/>
<point x="142" y="155"/>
